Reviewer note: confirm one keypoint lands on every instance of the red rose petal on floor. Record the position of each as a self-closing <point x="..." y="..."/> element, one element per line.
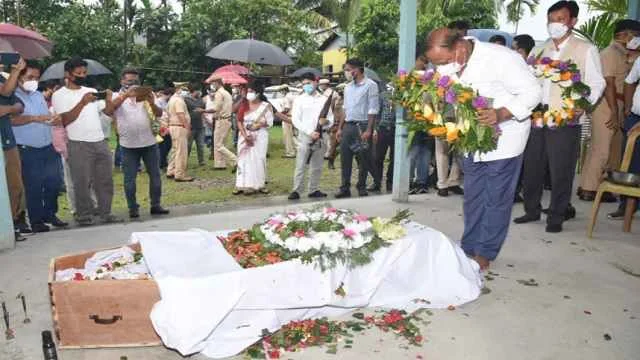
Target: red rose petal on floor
<point x="451" y="308"/>
<point x="418" y="356"/>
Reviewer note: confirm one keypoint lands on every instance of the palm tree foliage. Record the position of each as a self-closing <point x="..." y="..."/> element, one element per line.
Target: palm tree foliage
<point x="599" y="29"/>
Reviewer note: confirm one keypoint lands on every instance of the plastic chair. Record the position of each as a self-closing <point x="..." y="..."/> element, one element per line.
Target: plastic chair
<point x="632" y="191"/>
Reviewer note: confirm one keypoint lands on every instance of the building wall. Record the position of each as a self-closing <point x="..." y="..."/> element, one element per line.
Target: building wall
<point x="333" y="60"/>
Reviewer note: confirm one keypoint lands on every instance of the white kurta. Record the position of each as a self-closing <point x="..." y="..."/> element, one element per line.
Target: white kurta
<point x="252" y="159"/>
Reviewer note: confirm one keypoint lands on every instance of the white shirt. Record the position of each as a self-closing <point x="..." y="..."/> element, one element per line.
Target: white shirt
<point x="592" y="73"/>
<point x="499" y="73"/>
<point x="306" y="111"/>
<point x="632" y="78"/>
<point x="134" y="125"/>
<point x="88" y="126"/>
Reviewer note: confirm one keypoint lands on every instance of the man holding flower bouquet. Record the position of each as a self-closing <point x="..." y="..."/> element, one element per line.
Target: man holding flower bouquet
<point x="571" y="76"/>
<point x="490" y="177"/>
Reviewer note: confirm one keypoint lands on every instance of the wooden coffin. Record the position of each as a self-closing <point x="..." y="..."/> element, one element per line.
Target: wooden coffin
<point x="101" y="313"/>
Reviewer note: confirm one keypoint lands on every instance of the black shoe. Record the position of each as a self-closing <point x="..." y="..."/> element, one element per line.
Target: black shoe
<point x="457" y="190"/>
<point x="343" y="195"/>
<point x="18" y="236"/>
<point x="554" y="228"/>
<point x="40" y="228"/>
<point x="586" y="195"/>
<point x="443" y="192"/>
<point x="294" y="196"/>
<point x="518" y="199"/>
<point x="134" y="213"/>
<point x="332" y="165"/>
<point x="22" y="227"/>
<point x="616" y="215"/>
<point x="159" y="210"/>
<point x="526" y="219"/>
<point x="56" y="222"/>
<point x="423" y="190"/>
<point x="375" y="189"/>
<point x="570" y="213"/>
<point x="363" y="193"/>
<point x="317" y="194"/>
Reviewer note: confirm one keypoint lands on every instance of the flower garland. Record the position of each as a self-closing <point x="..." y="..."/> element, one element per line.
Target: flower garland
<point x="575" y="93"/>
<point x="299" y="335"/>
<point x="326" y="236"/>
<point x="446" y="109"/>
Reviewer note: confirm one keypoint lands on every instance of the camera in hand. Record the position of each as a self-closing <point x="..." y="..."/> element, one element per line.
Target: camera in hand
<point x="101" y="95"/>
<point x="9" y="59"/>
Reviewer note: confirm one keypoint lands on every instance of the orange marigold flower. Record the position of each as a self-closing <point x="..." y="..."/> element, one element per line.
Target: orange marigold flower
<point x="565" y="76"/>
<point x="438" y="131"/>
<point x="440" y="92"/>
<point x="452" y="136"/>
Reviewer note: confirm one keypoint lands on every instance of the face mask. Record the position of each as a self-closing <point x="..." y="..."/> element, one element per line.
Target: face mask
<point x="79" y="80"/>
<point x="184" y="93"/>
<point x="557" y="30"/>
<point x="213" y="87"/>
<point x="30" y="86"/>
<point x="252" y="96"/>
<point x="308" y="88"/>
<point x="634" y="43"/>
<point x="449" y="69"/>
<point x="348" y="75"/>
<point x="234" y="91"/>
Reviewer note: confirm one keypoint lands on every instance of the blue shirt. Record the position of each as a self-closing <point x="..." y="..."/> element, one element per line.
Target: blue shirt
<point x="361" y="100"/>
<point x="35" y="134"/>
<point x="6" y="134"/>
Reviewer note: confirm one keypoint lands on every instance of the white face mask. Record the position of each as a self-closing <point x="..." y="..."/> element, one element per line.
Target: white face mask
<point x="184" y="93"/>
<point x="634" y="43"/>
<point x="348" y="75"/>
<point x="557" y="30"/>
<point x="252" y="96"/>
<point x="213" y="87"/>
<point x="449" y="69"/>
<point x="30" y="86"/>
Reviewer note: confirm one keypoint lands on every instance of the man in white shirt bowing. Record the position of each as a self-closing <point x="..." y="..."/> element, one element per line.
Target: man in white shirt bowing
<point x="559" y="146"/>
<point x="311" y="115"/>
<point x="490" y="178"/>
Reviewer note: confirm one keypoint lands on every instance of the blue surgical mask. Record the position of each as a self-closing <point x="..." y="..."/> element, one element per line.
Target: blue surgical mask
<point x="308" y="88"/>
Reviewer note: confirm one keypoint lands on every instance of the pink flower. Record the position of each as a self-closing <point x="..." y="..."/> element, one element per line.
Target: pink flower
<point x="299" y="233"/>
<point x="360" y="218"/>
<point x="274" y="222"/>
<point x="330" y="210"/>
<point x="349" y="233"/>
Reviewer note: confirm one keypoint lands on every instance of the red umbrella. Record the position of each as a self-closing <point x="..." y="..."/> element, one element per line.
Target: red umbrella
<point x="228" y="77"/>
<point x="29" y="44"/>
<point x="238" y="69"/>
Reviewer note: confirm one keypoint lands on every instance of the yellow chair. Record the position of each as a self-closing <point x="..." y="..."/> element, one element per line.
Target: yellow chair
<point x="632" y="191"/>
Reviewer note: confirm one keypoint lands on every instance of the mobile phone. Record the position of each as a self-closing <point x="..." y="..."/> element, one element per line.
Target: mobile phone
<point x="101" y="95"/>
<point x="8" y="59"/>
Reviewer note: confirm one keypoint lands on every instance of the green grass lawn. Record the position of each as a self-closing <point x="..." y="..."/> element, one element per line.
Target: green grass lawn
<point x="215" y="186"/>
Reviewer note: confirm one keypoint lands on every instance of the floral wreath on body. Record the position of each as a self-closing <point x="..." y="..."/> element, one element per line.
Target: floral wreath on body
<point x="575" y="93"/>
<point x="444" y="108"/>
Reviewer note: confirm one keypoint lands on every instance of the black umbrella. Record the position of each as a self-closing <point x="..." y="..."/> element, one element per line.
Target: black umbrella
<point x="56" y="71"/>
<point x="304" y="70"/>
<point x="250" y="51"/>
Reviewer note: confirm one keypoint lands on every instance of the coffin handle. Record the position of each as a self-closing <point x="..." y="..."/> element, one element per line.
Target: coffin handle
<point x="100" y="321"/>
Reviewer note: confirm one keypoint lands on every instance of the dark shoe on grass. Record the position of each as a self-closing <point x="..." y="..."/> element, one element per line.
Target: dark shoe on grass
<point x="343" y="195"/>
<point x="294" y="196"/>
<point x="317" y="195"/>
<point x="159" y="210"/>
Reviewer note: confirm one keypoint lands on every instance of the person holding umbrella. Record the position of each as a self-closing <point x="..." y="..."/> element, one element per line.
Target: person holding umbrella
<point x="11" y="106"/>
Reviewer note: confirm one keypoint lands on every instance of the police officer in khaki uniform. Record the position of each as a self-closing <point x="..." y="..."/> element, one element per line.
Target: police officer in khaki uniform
<point x="606" y="137"/>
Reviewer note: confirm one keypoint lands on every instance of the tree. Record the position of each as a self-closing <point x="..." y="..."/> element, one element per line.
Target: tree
<point x="516" y="9"/>
<point x="599" y="29"/>
<point x="376" y="35"/>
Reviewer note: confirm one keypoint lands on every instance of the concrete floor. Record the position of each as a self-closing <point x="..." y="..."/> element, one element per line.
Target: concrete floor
<point x="576" y="275"/>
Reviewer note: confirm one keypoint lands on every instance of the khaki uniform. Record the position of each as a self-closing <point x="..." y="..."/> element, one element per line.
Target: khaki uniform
<point x="288" y="138"/>
<point x="179" y="137"/>
<point x="222" y="104"/>
<point x="338" y="114"/>
<point x="606" y="144"/>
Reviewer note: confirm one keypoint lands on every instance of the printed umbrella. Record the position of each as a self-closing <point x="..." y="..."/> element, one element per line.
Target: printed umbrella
<point x="304" y="70"/>
<point x="29" y="44"/>
<point x="235" y="68"/>
<point x="56" y="71"/>
<point x="228" y="77"/>
<point x="250" y="51"/>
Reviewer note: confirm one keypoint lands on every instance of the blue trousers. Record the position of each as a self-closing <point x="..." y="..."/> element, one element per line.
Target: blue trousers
<point x="489" y="189"/>
<point x="42" y="182"/>
<point x="131" y="157"/>
<point x="420" y="155"/>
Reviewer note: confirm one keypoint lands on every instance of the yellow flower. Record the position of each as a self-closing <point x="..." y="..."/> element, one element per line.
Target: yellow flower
<point x="438" y="119"/>
<point x="427" y="111"/>
<point x="568" y="103"/>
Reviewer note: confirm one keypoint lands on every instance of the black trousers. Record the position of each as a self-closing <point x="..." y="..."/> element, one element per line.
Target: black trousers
<point x="559" y="148"/>
<point x="165" y="148"/>
<point x="386" y="142"/>
<point x="350" y="136"/>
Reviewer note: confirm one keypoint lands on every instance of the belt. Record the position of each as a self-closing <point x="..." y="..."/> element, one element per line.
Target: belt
<point x="177" y="125"/>
<point x="357" y="122"/>
<point x="27" y="147"/>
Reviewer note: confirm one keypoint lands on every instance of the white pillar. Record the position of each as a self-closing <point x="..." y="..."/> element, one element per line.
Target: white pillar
<point x="406" y="61"/>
